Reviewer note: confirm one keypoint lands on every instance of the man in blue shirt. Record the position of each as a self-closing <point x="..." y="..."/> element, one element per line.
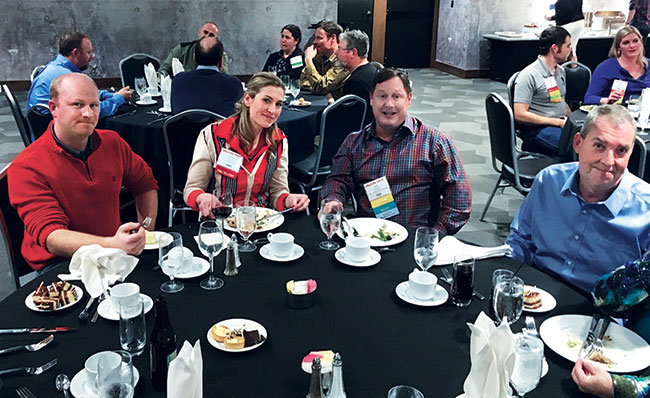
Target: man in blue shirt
<point x="75" y="53"/>
<point x="582" y="220"/>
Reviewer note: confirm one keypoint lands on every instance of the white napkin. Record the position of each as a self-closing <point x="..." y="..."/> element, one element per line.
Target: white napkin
<point x="492" y="352"/>
<point x="152" y="79"/>
<point x="644" y="106"/>
<point x="450" y="246"/>
<point x="185" y="375"/>
<point x="100" y="267"/>
<point x="177" y="66"/>
<point x="166" y="91"/>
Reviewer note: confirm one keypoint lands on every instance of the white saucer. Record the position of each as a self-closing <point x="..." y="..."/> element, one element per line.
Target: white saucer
<point x="164" y="110"/>
<point x="141" y="102"/>
<point x="296" y="253"/>
<point x="106" y="310"/>
<point x="373" y="258"/>
<point x="200" y="267"/>
<point x="440" y="296"/>
<point x="81" y="384"/>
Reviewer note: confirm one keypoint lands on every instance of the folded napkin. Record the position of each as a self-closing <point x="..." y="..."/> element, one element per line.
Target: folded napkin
<point x="177" y="66"/>
<point x="185" y="375"/>
<point x="450" y="247"/>
<point x="99" y="267"/>
<point x="492" y="352"/>
<point x="166" y="91"/>
<point x="152" y="79"/>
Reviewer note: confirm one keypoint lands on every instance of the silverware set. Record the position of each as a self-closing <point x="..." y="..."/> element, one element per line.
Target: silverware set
<point x="32" y="370"/>
<point x="593" y="344"/>
<point x="30" y="347"/>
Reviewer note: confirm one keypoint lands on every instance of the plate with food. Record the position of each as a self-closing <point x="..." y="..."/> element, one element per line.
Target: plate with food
<point x="624" y="351"/>
<point x="265" y="220"/>
<point x="153" y="238"/>
<point x="300" y="102"/>
<point x="538" y="300"/>
<point x="237" y="335"/>
<point x="56" y="296"/>
<point x="587" y="108"/>
<point x="380" y="232"/>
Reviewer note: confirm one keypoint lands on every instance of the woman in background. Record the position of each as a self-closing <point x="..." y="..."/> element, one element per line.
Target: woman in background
<point x="290" y="60"/>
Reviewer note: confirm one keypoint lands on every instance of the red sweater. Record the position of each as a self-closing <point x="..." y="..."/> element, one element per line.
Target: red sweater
<point x="52" y="189"/>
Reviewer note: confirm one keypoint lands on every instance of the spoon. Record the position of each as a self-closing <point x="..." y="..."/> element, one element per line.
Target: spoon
<point x="63" y="384"/>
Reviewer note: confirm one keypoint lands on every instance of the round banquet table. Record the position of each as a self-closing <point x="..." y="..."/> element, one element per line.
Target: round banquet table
<point x="383" y="341"/>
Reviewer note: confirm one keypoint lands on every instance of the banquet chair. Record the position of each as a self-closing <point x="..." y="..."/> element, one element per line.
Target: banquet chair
<point x="133" y="66"/>
<point x="339" y="119"/>
<point x="180" y="132"/>
<point x="35" y="72"/>
<point x="516" y="168"/>
<point x="12" y="230"/>
<point x="511" y="89"/>
<point x="21" y="122"/>
<point x="578" y="77"/>
<point x="38" y="118"/>
<point x="637" y="161"/>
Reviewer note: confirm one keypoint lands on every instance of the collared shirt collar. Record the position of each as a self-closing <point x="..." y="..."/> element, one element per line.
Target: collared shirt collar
<point x="60" y="59"/>
<point x="409" y="126"/>
<point x="83" y="155"/>
<point x="548" y="71"/>
<point x="207" y="67"/>
<point x="614" y="203"/>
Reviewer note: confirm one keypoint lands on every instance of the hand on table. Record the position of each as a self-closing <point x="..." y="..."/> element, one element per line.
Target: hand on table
<point x="299" y="202"/>
<point x="129" y="237"/>
<point x="592" y="380"/>
<point x="125" y="92"/>
<point x="206" y="202"/>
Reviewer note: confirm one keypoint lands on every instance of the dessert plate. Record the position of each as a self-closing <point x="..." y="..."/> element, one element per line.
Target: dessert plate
<point x="166" y="238"/>
<point x="373" y="258"/>
<point x="440" y="296"/>
<point x="565" y="334"/>
<point x="368" y="226"/>
<point x="238" y="323"/>
<point x="296" y="253"/>
<point x="200" y="267"/>
<point x="266" y="220"/>
<point x="298" y="103"/>
<point x="29" y="301"/>
<point x="548" y="301"/>
<point x="82" y="384"/>
<point x="106" y="310"/>
<point x="142" y="102"/>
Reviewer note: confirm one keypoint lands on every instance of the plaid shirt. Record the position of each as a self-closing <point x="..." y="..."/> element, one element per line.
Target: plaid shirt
<point x="426" y="176"/>
<point x="642" y="11"/>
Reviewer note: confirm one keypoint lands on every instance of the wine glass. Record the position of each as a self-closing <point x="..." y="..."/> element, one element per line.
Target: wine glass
<point x="529" y="356"/>
<point x="425" y="247"/>
<point x="222" y="210"/>
<point x="508" y="298"/>
<point x="210" y="245"/>
<point x="330" y="222"/>
<point x="115" y="379"/>
<point x="141" y="87"/>
<point x="170" y="258"/>
<point x="245" y="218"/>
<point x="294" y="88"/>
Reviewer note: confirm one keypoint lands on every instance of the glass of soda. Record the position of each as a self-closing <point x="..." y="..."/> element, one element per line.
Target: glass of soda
<point x="462" y="287"/>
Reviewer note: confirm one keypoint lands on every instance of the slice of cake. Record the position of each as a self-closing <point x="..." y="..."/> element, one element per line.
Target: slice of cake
<point x="252" y="337"/>
<point x="150" y="238"/>
<point x="53" y="296"/>
<point x="532" y="299"/>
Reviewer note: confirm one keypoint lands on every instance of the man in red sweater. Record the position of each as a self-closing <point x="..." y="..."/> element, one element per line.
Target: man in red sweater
<point x="65" y="186"/>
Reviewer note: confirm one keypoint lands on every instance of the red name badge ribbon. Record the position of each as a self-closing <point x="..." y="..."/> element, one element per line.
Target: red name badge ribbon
<point x="229" y="163"/>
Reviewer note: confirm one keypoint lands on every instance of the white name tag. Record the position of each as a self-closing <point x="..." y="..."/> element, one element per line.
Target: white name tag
<point x="229" y="163"/>
<point x="381" y="198"/>
<point x="296" y="62"/>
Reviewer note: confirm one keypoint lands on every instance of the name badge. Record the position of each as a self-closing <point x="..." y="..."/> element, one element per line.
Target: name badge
<point x="553" y="90"/>
<point x="619" y="86"/>
<point x="296" y="62"/>
<point x="229" y="163"/>
<point x="381" y="199"/>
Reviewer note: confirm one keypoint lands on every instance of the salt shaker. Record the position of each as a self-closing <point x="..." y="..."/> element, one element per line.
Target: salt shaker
<point x="231" y="264"/>
<point x="315" y="388"/>
<point x="233" y="239"/>
<point x="337" y="390"/>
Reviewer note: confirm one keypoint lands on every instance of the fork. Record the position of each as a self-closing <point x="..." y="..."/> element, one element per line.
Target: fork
<point x="29" y="347"/>
<point x="24" y="392"/>
<point x="30" y="369"/>
<point x="597" y="346"/>
<point x="354" y="230"/>
<point x="530" y="328"/>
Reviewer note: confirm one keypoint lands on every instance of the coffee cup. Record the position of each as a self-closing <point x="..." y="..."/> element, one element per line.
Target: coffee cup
<point x="357" y="248"/>
<point x="146" y="98"/>
<point x="422" y="285"/>
<point x="109" y="359"/>
<point x="123" y="292"/>
<point x="281" y="244"/>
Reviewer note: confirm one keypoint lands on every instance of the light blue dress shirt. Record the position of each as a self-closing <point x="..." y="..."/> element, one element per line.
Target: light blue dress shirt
<point x="39" y="92"/>
<point x="556" y="230"/>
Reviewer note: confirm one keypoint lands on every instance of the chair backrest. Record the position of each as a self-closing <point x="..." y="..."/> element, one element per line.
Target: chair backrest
<point x="344" y="116"/>
<point x="133" y="66"/>
<point x="38" y="118"/>
<point x="180" y="133"/>
<point x="511" y="89"/>
<point x="21" y="123"/>
<point x="35" y="72"/>
<point x="578" y="77"/>
<point x="637" y="162"/>
<point x="13" y="230"/>
<point x="501" y="126"/>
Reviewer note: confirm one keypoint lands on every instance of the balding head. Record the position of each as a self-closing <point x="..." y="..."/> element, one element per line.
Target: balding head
<point x="208" y="29"/>
<point x="70" y="79"/>
<point x="209" y="52"/>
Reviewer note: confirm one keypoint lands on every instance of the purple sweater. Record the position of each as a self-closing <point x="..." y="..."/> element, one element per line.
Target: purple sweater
<point x="605" y="74"/>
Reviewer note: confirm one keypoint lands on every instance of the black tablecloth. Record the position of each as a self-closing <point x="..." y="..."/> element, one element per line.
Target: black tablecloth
<point x="383" y="340"/>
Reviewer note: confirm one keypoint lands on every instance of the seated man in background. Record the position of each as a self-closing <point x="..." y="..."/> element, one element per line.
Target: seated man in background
<point x="415" y="162"/>
<point x="576" y="213"/>
<point x="75" y="53"/>
<point x="539" y="105"/>
<point x="322" y="73"/>
<point x="206" y="87"/>
<point x="65" y="186"/>
<point x="184" y="51"/>
<point x="353" y="55"/>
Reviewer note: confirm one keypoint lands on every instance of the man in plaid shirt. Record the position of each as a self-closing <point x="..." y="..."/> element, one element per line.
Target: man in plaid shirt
<point x="425" y="175"/>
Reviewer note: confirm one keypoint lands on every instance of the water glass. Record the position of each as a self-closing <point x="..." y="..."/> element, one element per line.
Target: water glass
<point x="273" y="69"/>
<point x="508" y="298"/>
<point x="634" y="105"/>
<point x="529" y="356"/>
<point x="286" y="80"/>
<point x="425" y="247"/>
<point x="294" y="88"/>
<point x="171" y="256"/>
<point x="495" y="275"/>
<point x="462" y="287"/>
<point x="115" y="382"/>
<point x="210" y="245"/>
<point x="329" y="217"/>
<point x="141" y="86"/>
<point x="133" y="330"/>
<point x="245" y="217"/>
<point x="404" y="392"/>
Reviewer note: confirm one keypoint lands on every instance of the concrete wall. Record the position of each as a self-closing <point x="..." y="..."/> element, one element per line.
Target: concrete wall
<point x="250" y="29"/>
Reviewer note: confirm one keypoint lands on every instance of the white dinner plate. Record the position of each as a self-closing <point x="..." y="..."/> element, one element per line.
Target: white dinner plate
<point x="367" y="226"/>
<point x="81" y="385"/>
<point x="439" y="297"/>
<point x="106" y="310"/>
<point x="238" y="323"/>
<point x="166" y="238"/>
<point x="296" y="253"/>
<point x="565" y="334"/>
<point x="548" y="301"/>
<point x="141" y="102"/>
<point x="263" y="225"/>
<point x="200" y="266"/>
<point x="29" y="301"/>
<point x="373" y="258"/>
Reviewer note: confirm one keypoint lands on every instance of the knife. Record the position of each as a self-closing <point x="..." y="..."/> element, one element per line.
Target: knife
<point x="269" y="216"/>
<point x="586" y="346"/>
<point x="38" y="330"/>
